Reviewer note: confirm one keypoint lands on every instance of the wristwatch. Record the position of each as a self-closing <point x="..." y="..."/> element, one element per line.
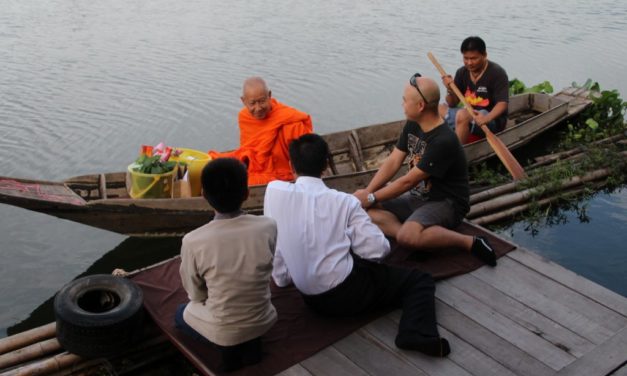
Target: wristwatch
<point x="371" y="199"/>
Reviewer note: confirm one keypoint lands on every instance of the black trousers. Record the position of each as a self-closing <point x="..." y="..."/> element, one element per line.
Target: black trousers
<point x="372" y="286"/>
<point x="231" y="357"/>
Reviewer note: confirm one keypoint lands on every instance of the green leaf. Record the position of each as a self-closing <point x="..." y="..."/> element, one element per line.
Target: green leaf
<point x="543" y="87"/>
<point x="516" y="86"/>
<point x="592" y="123"/>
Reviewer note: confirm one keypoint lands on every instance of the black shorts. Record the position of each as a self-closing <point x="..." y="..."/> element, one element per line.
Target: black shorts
<point x="408" y="207"/>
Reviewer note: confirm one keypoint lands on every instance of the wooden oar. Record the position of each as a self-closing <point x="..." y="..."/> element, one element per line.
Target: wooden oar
<point x="512" y="165"/>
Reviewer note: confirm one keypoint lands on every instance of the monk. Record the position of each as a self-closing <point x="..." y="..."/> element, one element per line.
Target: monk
<point x="266" y="129"/>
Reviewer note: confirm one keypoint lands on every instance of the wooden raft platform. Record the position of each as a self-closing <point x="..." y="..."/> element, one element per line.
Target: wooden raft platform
<point x="527" y="316"/>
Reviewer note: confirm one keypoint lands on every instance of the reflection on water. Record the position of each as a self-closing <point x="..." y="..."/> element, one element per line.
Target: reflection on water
<point x="84" y="84"/>
<point x="593" y="247"/>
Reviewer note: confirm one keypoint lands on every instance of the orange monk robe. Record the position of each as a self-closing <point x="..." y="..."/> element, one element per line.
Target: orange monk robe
<point x="264" y="143"/>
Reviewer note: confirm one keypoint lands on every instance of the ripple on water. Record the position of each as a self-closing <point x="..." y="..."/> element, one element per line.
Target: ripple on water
<point x="84" y="84"/>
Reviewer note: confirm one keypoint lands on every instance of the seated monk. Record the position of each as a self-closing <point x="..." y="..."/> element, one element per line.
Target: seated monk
<point x="266" y="129"/>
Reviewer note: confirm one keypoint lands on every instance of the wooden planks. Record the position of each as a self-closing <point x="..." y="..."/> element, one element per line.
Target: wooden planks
<point x="385" y="330"/>
<point x="602" y="360"/>
<point x="332" y="362"/>
<point x="533" y="321"/>
<point x="367" y="352"/>
<point x="567" y="277"/>
<point x="527" y="316"/>
<point x="499" y="323"/>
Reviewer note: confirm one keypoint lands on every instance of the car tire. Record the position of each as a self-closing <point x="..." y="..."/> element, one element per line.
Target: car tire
<point x="98" y="315"/>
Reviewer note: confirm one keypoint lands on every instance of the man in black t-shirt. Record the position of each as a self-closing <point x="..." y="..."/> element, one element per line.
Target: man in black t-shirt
<point x="421" y="208"/>
<point x="485" y="87"/>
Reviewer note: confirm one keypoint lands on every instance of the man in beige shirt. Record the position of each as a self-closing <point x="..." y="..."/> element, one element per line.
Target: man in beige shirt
<point x="225" y="269"/>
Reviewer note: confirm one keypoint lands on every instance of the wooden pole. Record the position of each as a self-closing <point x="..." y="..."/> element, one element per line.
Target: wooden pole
<point x="53" y="364"/>
<point x="28" y="337"/>
<point x="30" y="352"/>
<point x="492" y="192"/>
<point x="498" y="216"/>
<point x="512" y="165"/>
<point x="507" y="200"/>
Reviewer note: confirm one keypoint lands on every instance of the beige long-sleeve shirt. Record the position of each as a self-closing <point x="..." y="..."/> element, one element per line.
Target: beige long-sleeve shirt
<point x="226" y="267"/>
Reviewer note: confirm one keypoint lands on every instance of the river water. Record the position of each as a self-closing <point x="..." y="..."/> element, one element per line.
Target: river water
<point x="84" y="83"/>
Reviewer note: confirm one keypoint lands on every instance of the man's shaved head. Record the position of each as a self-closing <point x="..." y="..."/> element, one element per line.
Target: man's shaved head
<point x="430" y="90"/>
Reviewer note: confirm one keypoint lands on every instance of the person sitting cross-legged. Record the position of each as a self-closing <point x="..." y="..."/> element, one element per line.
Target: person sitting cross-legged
<point x="225" y="270"/>
<point x="422" y="208"/>
<point x="330" y="249"/>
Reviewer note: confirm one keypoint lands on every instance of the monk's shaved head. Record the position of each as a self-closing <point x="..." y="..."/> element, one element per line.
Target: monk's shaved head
<point x="254" y="84"/>
<point x="256" y="97"/>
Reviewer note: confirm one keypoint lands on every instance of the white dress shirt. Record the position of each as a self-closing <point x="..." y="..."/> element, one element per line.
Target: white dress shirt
<point x="317" y="227"/>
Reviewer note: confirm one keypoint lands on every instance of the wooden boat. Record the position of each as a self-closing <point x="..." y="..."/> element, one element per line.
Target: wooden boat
<point x="102" y="200"/>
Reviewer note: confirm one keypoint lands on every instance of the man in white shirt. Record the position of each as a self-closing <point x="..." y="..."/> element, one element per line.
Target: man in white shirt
<point x="329" y="248"/>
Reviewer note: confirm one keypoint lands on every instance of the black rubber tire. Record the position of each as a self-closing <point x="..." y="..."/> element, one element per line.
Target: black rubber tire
<point x="99" y="315"/>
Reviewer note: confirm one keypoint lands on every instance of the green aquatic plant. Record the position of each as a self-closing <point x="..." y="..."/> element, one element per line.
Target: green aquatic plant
<point x="605" y="117"/>
<point x="516" y="86"/>
<point x="482" y="175"/>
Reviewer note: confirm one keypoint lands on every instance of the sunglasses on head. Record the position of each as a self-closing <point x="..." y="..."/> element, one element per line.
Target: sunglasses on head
<point x="414" y="83"/>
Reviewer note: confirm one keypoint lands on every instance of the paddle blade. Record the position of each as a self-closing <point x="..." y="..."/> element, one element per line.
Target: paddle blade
<point x="501" y="151"/>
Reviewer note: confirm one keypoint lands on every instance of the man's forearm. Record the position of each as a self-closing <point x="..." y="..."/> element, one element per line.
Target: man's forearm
<point x="394" y="189"/>
<point x="497" y="111"/>
<point x="384" y="175"/>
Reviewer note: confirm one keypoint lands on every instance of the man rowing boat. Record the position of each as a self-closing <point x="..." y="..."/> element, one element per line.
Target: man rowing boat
<point x="485" y="87"/>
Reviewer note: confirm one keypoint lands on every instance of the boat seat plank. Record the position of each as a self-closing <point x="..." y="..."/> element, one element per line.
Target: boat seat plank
<point x="541" y="102"/>
<point x="102" y="187"/>
<point x="331" y="362"/>
<point x="365" y="351"/>
<point x="504" y="327"/>
<point x="523" y="315"/>
<point x="602" y="360"/>
<point x="117" y="193"/>
<point x="355" y="151"/>
<point x="332" y="167"/>
<point x="568" y="278"/>
<point x="484" y="340"/>
<point x="562" y="305"/>
<point x="519" y="103"/>
<point x="384" y="329"/>
<point x="116" y="179"/>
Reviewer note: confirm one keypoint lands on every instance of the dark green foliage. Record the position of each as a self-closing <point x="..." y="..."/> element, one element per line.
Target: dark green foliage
<point x="604" y="118"/>
<point x="516" y="86"/>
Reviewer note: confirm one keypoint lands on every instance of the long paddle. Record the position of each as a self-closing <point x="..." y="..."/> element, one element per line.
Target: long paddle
<point x="512" y="165"/>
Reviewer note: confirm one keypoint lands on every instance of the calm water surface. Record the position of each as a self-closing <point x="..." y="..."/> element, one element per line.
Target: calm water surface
<point x="83" y="84"/>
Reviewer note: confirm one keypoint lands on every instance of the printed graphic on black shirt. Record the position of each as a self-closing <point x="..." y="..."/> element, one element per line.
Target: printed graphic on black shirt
<point x="416" y="148"/>
<point x="478" y="98"/>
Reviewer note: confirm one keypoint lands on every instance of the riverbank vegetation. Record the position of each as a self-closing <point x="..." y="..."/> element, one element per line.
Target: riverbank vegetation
<point x="586" y="157"/>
